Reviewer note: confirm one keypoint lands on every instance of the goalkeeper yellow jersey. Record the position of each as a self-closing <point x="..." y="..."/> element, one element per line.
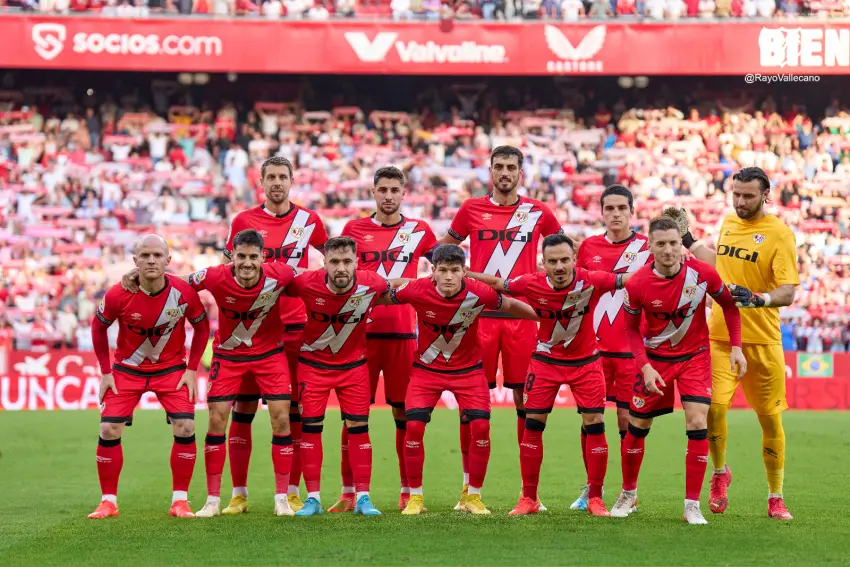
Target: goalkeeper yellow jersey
<point x="761" y="256"/>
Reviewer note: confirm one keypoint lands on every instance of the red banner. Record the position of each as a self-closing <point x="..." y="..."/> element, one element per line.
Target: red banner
<point x="70" y="380"/>
<point x="467" y="48"/>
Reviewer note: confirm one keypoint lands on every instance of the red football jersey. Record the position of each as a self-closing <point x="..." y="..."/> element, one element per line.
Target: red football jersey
<point x="288" y="238"/>
<point x="393" y="251"/>
<point x="335" y="334"/>
<point x="674" y="307"/>
<point x="151" y="327"/>
<point x="624" y="257"/>
<point x="448" y="326"/>
<point x="564" y="332"/>
<point x="503" y="239"/>
<point x="249" y="323"/>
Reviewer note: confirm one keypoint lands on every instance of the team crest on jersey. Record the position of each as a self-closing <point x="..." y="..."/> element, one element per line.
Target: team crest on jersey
<point x="173" y="313"/>
<point x="630" y="257"/>
<point x="466" y="314"/>
<point x="524" y="398"/>
<point x="265" y="299"/>
<point x="574" y="296"/>
<point x="521" y="217"/>
<point x="404" y="237"/>
<point x="638" y="402"/>
<point x="297" y="232"/>
<point x="355" y="301"/>
<point x="758" y="238"/>
<point x="198" y="276"/>
<point x="690" y="292"/>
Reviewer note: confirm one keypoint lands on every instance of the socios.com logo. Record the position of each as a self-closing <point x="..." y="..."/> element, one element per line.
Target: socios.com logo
<point x="49" y="40"/>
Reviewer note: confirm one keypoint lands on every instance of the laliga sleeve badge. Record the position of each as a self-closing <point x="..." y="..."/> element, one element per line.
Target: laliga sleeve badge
<point x="198" y="276"/>
<point x="102" y="306"/>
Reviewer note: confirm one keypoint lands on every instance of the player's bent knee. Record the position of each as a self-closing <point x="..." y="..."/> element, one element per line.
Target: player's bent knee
<point x="479" y="429"/>
<point x="533" y="424"/>
<point x="246" y="406"/>
<point x="588" y="419"/>
<point x="415" y="429"/>
<point x="398" y="414"/>
<point x="183" y="427"/>
<point x="110" y="431"/>
<point x="518" y="396"/>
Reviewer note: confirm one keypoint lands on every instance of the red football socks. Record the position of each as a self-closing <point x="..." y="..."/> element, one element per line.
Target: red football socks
<point x="479" y="452"/>
<point x="345" y="459"/>
<point x="414" y="452"/>
<point x="239" y="445"/>
<point x="465" y="440"/>
<point x="110" y="460"/>
<point x="215" y="452"/>
<point x="597" y="458"/>
<point x="295" y="430"/>
<point x="282" y="451"/>
<point x="400" y="432"/>
<point x="360" y="457"/>
<point x="311" y="456"/>
<point x="696" y="461"/>
<point x="531" y="459"/>
<point x="184" y="452"/>
<point x="633" y="456"/>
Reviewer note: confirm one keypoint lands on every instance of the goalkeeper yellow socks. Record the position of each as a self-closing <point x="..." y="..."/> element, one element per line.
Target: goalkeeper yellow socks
<point x="773" y="453"/>
<point x="718" y="434"/>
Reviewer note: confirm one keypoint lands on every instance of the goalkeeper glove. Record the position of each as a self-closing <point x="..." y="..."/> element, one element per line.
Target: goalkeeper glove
<point x="680" y="216"/>
<point x="745" y="298"/>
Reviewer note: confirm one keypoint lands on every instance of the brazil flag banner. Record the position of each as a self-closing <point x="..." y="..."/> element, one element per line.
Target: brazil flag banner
<point x="815" y="365"/>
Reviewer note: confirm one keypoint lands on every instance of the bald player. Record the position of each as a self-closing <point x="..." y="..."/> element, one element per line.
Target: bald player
<point x="150" y="357"/>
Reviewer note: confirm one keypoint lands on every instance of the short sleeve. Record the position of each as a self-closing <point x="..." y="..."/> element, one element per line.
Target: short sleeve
<point x="280" y="271"/>
<point x="631" y="297"/>
<point x="581" y="255"/>
<point x="603" y="281"/>
<point x="784" y="263"/>
<point x="714" y="285"/>
<point x="519" y="284"/>
<point x="110" y="305"/>
<point x="198" y="280"/>
<point x="490" y="298"/>
<point x="550" y="224"/>
<point x="320" y="233"/>
<point x="429" y="241"/>
<point x="236" y="226"/>
<point x="379" y="284"/>
<point x="404" y="293"/>
<point x="195" y="311"/>
<point x="296" y="285"/>
<point x="459" y="228"/>
<point x="346" y="230"/>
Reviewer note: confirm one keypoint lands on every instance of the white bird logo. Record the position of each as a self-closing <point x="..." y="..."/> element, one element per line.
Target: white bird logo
<point x="586" y="49"/>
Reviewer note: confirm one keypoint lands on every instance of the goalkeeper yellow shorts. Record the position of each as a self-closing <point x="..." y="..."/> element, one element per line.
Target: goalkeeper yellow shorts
<point x="764" y="382"/>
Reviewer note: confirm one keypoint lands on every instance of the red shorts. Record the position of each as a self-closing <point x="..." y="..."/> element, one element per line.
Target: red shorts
<point x="270" y="374"/>
<point x="692" y="377"/>
<point x="426" y="387"/>
<point x="393" y="358"/>
<point x="586" y="382"/>
<point x="619" y="379"/>
<point x="249" y="390"/>
<point x="351" y="386"/>
<point x="515" y="340"/>
<point x="118" y="408"/>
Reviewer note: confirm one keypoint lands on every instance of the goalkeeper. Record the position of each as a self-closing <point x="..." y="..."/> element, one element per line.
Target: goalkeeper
<point x="756" y="257"/>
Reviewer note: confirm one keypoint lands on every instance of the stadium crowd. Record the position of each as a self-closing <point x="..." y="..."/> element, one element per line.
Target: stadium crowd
<point x="80" y="179"/>
<point x="566" y="10"/>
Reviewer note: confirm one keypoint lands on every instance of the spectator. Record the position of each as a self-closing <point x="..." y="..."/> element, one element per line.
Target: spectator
<point x="572" y="10"/>
<point x="401" y="10"/>
<point x="346" y="8"/>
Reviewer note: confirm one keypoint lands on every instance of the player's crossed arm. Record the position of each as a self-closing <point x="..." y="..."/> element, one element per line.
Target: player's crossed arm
<point x="386" y="297"/>
<point x="497" y="283"/>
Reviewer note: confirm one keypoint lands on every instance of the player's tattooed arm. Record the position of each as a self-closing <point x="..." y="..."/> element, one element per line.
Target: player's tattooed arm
<point x="450" y="238"/>
<point x="495" y="282"/>
<point x="518" y="309"/>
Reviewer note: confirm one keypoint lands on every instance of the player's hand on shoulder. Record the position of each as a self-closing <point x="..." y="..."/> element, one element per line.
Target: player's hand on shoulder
<point x="130" y="281"/>
<point x="107" y="382"/>
<point x="739" y="363"/>
<point x="189" y="381"/>
<point x="653" y="380"/>
<point x="744" y="298"/>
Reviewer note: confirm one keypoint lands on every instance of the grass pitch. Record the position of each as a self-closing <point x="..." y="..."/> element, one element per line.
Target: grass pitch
<point x="50" y="485"/>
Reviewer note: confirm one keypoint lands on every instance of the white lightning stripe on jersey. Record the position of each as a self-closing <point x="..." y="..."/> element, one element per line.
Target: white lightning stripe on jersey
<point x="358" y="304"/>
<point x="407" y="249"/>
<point x="502" y="263"/>
<point x="579" y="299"/>
<point x="465" y="315"/>
<point x="610" y="303"/>
<point x="266" y="299"/>
<point x="299" y="222"/>
<point x="168" y="316"/>
<point x="671" y="332"/>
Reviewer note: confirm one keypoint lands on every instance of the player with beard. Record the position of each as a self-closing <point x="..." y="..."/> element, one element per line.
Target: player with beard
<point x="504" y="231"/>
<point x="620" y="250"/>
<point x="391" y="245"/>
<point x="566" y="353"/>
<point x="672" y="292"/>
<point x="150" y="356"/>
<point x="756" y="253"/>
<point x="288" y="231"/>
